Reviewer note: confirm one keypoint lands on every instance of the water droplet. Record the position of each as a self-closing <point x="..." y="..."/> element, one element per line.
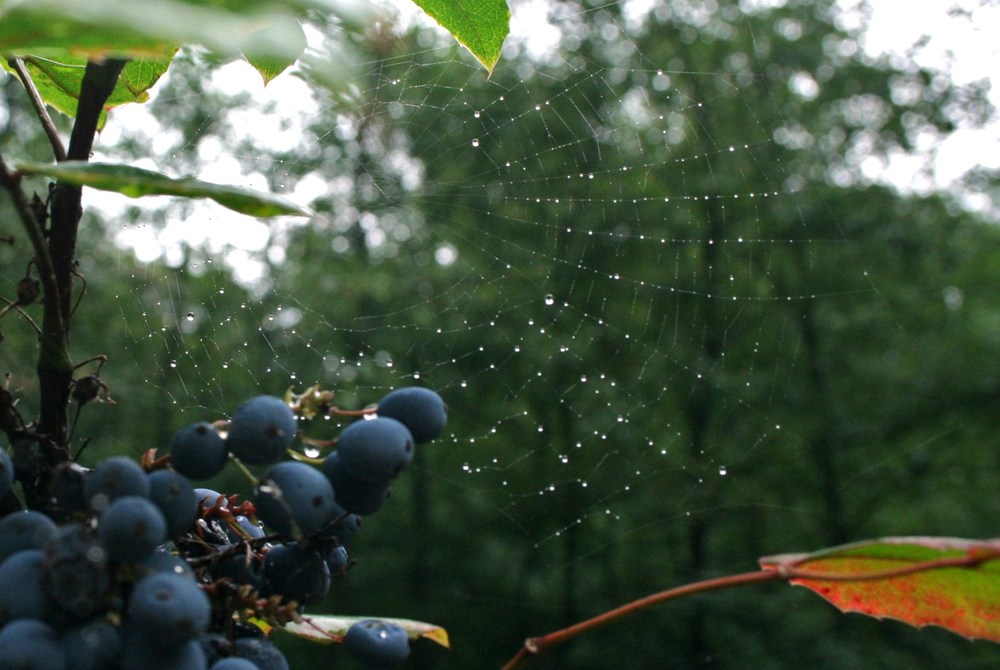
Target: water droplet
<point x="722" y="471"/>
<point x="550" y="299"/>
<point x="190" y="316"/>
<point x="476" y="114"/>
<point x="475" y="142"/>
<point x="173" y="364"/>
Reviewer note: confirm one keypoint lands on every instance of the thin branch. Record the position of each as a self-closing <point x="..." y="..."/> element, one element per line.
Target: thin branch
<point x="40" y="109"/>
<point x="11" y="305"/>
<point x="536" y="646"/>
<point x="11" y="182"/>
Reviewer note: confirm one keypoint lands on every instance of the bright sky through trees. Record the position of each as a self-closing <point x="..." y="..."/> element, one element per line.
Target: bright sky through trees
<point x="956" y="37"/>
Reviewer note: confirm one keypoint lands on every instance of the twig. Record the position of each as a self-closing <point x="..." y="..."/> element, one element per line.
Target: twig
<point x="36" y="101"/>
<point x="13" y="305"/>
<point x="536" y="646"/>
<point x="11" y="182"/>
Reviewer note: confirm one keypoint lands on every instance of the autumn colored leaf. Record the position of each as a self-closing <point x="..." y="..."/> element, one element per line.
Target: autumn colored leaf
<point x="922" y="581"/>
<point x="330" y="629"/>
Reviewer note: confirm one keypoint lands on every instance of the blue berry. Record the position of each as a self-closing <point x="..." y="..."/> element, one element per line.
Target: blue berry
<point x="375" y="450"/>
<point x="22" y="595"/>
<point x="93" y="646"/>
<point x="162" y="560"/>
<point x="261" y="430"/>
<point x="208" y="497"/>
<point x="111" y="479"/>
<point x="131" y="528"/>
<point x="295" y="499"/>
<point x="351" y="493"/>
<point x="337" y="559"/>
<point x="379" y="644"/>
<point x="261" y="652"/>
<point x="142" y="653"/>
<point x="233" y="663"/>
<point x="167" y="610"/>
<point x="296" y="573"/>
<point x="198" y="451"/>
<point x="75" y="571"/>
<point x="29" y="644"/>
<point x="24" y="530"/>
<point x="252" y="530"/>
<point x="419" y="409"/>
<point x="171" y="492"/>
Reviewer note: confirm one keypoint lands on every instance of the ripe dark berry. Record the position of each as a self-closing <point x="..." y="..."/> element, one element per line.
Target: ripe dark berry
<point x="261" y="430"/>
<point x="75" y="571"/>
<point x="167" y="610"/>
<point x="297" y="573"/>
<point x="378" y="644"/>
<point x="24" y="530"/>
<point x="131" y="528"/>
<point x="171" y="492"/>
<point x="111" y="479"/>
<point x="351" y="493"/>
<point x="419" y="409"/>
<point x="261" y="652"/>
<point x="295" y="499"/>
<point x="198" y="451"/>
<point x="94" y="646"/>
<point x="375" y="450"/>
<point x="22" y="595"/>
<point x="28" y="644"/>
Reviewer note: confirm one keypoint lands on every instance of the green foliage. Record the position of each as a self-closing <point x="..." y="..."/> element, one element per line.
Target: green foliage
<point x="137" y="182"/>
<point x="481" y="26"/>
<point x="864" y="370"/>
<point x="58" y="78"/>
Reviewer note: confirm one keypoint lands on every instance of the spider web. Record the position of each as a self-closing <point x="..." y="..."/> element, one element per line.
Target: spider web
<point x="608" y="290"/>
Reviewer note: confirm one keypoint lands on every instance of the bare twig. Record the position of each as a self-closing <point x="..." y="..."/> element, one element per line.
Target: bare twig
<point x="15" y="306"/>
<point x="536" y="646"/>
<point x="11" y="182"/>
<point x="36" y="101"/>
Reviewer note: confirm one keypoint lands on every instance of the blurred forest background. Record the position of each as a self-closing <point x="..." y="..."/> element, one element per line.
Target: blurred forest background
<point x="676" y="327"/>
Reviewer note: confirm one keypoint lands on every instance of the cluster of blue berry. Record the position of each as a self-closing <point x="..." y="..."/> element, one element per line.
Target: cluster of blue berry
<point x="145" y="571"/>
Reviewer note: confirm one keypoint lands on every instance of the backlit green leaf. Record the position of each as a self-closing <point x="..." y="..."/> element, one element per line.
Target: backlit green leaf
<point x="58" y="80"/>
<point x="479" y="25"/>
<point x="271" y="65"/>
<point x="144" y="28"/>
<point x="136" y="182"/>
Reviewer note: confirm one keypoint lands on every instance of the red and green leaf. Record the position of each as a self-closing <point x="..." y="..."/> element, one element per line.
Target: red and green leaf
<point x="922" y="581"/>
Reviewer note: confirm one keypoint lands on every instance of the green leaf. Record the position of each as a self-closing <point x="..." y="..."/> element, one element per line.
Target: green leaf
<point x="147" y="28"/>
<point x="963" y="597"/>
<point x="331" y="629"/>
<point x="136" y="182"/>
<point x="58" y="80"/>
<point x="479" y="25"/>
<point x="271" y="65"/>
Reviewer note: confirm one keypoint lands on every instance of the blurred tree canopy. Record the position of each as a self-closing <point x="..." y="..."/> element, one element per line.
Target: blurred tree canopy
<point x="809" y="351"/>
